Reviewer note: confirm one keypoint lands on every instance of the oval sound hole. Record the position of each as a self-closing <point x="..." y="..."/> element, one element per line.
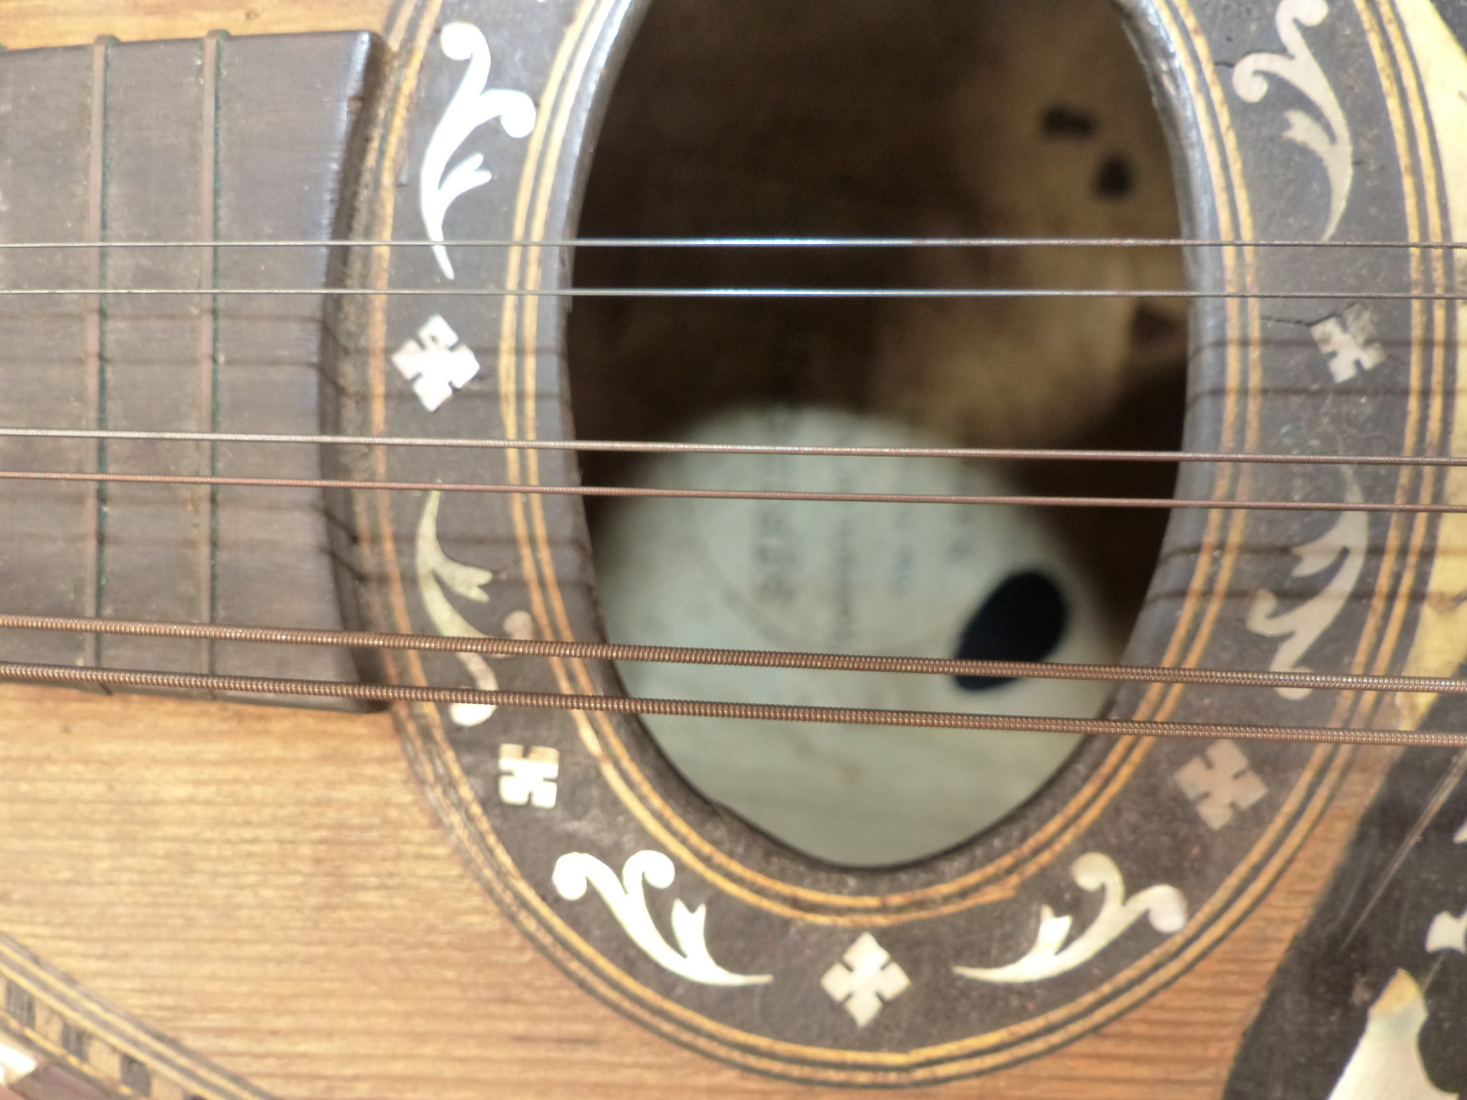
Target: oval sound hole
<point x="914" y="118"/>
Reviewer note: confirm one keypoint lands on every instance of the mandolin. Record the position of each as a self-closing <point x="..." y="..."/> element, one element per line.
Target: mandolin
<point x="459" y="863"/>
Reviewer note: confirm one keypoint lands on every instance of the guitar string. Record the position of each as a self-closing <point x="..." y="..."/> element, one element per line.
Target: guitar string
<point x="684" y="708"/>
<point x="794" y="495"/>
<point x="747" y="292"/>
<point x="833" y="662"/>
<point x="742" y="293"/>
<point x="815" y="661"/>
<point x="658" y="447"/>
<point x="749" y="242"/>
<point x="737" y="658"/>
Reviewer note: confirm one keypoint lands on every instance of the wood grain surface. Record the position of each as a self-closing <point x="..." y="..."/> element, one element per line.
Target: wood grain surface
<point x="268" y="887"/>
<point x="25" y="24"/>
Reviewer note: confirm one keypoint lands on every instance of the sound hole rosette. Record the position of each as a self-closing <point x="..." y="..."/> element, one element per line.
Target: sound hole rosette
<point x="1142" y="854"/>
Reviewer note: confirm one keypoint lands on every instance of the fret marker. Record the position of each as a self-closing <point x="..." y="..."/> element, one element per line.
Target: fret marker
<point x="1348" y="342"/>
<point x="1221" y="784"/>
<point x="435" y="363"/>
<point x="528" y="779"/>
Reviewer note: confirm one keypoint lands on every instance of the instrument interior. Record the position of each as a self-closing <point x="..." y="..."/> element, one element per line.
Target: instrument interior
<point x="885" y="119"/>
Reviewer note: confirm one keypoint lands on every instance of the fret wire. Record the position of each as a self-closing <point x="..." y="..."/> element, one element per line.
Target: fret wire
<point x="746" y="293"/>
<point x="739" y="658"/>
<point x="655" y="447"/>
<point x="741" y="494"/>
<point x="768" y="712"/>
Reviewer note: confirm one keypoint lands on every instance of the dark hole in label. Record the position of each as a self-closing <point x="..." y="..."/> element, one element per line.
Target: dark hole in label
<point x="1114" y="179"/>
<point x="1067" y="122"/>
<point x="1022" y="620"/>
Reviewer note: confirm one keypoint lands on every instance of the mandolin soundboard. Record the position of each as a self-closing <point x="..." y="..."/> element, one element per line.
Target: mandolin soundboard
<point x="456" y="872"/>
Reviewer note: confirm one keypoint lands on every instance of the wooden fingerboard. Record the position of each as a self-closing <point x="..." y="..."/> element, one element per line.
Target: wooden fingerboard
<point x="218" y="139"/>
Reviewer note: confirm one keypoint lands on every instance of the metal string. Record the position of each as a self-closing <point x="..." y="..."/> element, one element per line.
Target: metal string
<point x="655" y="447"/>
<point x="753" y="242"/>
<point x="739" y="658"/>
<point x="743" y="293"/>
<point x="1055" y="501"/>
<point x="751" y="292"/>
<point x="767" y="712"/>
<point x="506" y="647"/>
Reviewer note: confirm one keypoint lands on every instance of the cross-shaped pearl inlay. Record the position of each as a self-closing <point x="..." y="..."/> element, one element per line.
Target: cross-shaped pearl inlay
<point x="1221" y="784"/>
<point x="865" y="979"/>
<point x="528" y="778"/>
<point x="435" y="363"/>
